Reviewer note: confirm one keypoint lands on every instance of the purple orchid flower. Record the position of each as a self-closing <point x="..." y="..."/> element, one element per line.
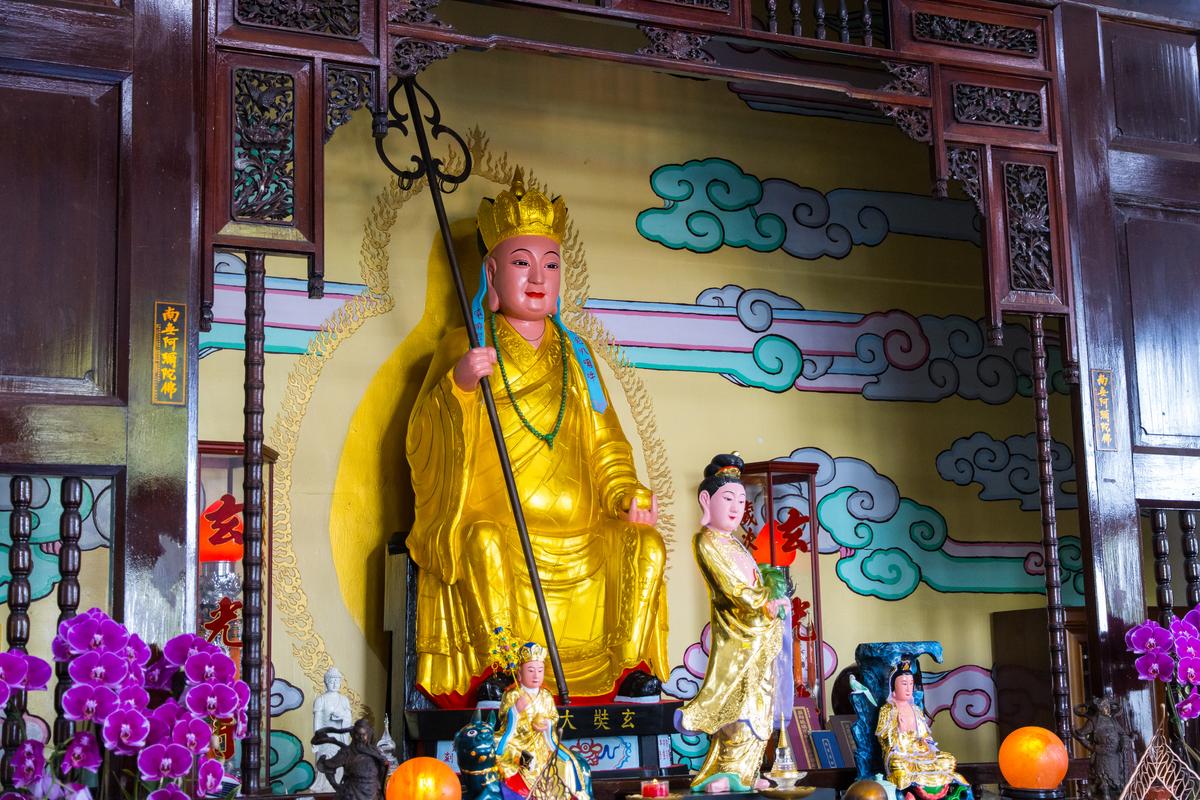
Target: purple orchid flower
<point x="1187" y="647"/>
<point x="1189" y="671"/>
<point x="242" y="689"/>
<point x="133" y="697"/>
<point x="1148" y="637"/>
<point x="160" y="674"/>
<point x="243" y="725"/>
<point x="28" y="764"/>
<point x="178" y="650"/>
<point x="37" y="675"/>
<point x="1181" y="627"/>
<point x="13" y="668"/>
<point x="209" y="776"/>
<point x="91" y="633"/>
<point x="171" y="792"/>
<point x="125" y="731"/>
<point x="209" y="667"/>
<point x="60" y="650"/>
<point x="95" y="668"/>
<point x="164" y="761"/>
<point x="12" y="796"/>
<point x="89" y="703"/>
<point x="136" y="651"/>
<point x="1193" y="618"/>
<point x="1155" y="665"/>
<point x="1189" y="707"/>
<point x="193" y="733"/>
<point x="162" y="721"/>
<point x="83" y="752"/>
<point x="211" y="700"/>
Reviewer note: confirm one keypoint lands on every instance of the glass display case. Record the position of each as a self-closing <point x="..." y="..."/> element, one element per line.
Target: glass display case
<point x="780" y="528"/>
<point x="219" y="572"/>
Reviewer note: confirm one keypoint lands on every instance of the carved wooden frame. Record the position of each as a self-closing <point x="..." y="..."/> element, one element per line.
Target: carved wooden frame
<point x="1000" y="137"/>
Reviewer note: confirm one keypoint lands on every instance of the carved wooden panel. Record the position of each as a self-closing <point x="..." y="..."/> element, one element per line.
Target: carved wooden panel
<point x="1155" y="84"/>
<point x="260" y="189"/>
<point x="725" y="12"/>
<point x="984" y="107"/>
<point x="61" y="261"/>
<point x="340" y="28"/>
<point x="1025" y="232"/>
<point x="1159" y="256"/>
<point x="968" y="32"/>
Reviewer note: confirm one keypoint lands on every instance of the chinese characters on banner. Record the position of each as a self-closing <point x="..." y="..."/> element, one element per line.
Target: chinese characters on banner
<point x="169" y="377"/>
<point x="1102" y="409"/>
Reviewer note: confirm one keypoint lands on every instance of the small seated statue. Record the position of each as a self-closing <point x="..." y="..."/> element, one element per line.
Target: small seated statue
<point x="737" y="704"/>
<point x="529" y="757"/>
<point x="912" y="760"/>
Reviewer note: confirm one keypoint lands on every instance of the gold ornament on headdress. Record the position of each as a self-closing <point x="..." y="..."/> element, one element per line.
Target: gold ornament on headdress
<point x="731" y="470"/>
<point x="517" y="212"/>
<point x="531" y="651"/>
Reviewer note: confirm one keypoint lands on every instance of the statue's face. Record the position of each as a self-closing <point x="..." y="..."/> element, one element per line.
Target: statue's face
<point x="532" y="674"/>
<point x="333" y="681"/>
<point x="723" y="509"/>
<point x="524" y="275"/>
<point x="904" y="688"/>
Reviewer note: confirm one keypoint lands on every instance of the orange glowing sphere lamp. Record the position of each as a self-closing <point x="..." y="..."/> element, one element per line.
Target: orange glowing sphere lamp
<point x="1033" y="758"/>
<point x="423" y="778"/>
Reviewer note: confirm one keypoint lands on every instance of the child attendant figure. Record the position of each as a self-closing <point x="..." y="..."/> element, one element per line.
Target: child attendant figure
<point x="529" y="753"/>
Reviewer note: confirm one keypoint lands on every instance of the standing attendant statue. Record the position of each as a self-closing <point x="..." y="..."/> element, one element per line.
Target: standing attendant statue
<point x="590" y="521"/>
<point x="330" y="710"/>
<point x="744" y="688"/>
<point x="1107" y="736"/>
<point x="356" y="770"/>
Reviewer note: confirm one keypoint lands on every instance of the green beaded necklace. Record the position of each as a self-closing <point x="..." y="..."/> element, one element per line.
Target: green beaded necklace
<point x="548" y="438"/>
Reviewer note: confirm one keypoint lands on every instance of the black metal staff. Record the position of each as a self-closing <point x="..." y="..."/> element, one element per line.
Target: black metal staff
<point x="425" y="164"/>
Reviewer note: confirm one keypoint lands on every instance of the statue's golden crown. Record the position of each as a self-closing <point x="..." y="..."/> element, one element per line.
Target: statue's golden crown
<point x="531" y="651"/>
<point x="518" y="212"/>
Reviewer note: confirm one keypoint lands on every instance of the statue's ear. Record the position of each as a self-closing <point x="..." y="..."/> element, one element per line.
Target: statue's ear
<point x="705" y="516"/>
<point x="477" y="716"/>
<point x="492" y="297"/>
<point x="491" y="719"/>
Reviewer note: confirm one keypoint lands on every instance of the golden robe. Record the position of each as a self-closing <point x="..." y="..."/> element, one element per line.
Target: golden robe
<point x="736" y="702"/>
<point x="912" y="757"/>
<point x="601" y="576"/>
<point x="519" y="735"/>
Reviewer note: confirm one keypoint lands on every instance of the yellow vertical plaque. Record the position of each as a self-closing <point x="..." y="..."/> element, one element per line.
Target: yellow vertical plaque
<point x="169" y="376"/>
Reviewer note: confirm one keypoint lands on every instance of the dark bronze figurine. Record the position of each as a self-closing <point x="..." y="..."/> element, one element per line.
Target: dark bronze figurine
<point x="1107" y="735"/>
<point x="364" y="767"/>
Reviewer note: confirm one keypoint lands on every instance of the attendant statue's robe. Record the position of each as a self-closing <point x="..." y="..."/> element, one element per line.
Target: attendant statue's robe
<point x="912" y="757"/>
<point x="601" y="575"/>
<point x="736" y="703"/>
<point x="524" y="750"/>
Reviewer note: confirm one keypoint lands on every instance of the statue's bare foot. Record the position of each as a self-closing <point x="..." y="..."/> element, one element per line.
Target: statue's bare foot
<point x="762" y="783"/>
<point x="719" y="786"/>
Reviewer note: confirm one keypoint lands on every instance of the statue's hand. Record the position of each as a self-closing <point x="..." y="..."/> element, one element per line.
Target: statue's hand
<point x="475" y="364"/>
<point x="522" y="702"/>
<point x="642" y="516"/>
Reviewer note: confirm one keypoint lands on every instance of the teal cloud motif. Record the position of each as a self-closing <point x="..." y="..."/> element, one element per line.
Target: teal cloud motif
<point x="709" y="204"/>
<point x="289" y="772"/>
<point x="890" y="558"/>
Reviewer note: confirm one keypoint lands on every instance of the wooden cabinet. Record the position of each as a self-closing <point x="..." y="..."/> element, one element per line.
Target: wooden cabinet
<point x="1021" y="669"/>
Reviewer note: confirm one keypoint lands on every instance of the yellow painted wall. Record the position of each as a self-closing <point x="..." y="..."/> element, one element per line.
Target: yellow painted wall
<point x="594" y="133"/>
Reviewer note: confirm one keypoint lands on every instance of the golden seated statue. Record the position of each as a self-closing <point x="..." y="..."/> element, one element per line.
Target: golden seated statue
<point x="590" y="521"/>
